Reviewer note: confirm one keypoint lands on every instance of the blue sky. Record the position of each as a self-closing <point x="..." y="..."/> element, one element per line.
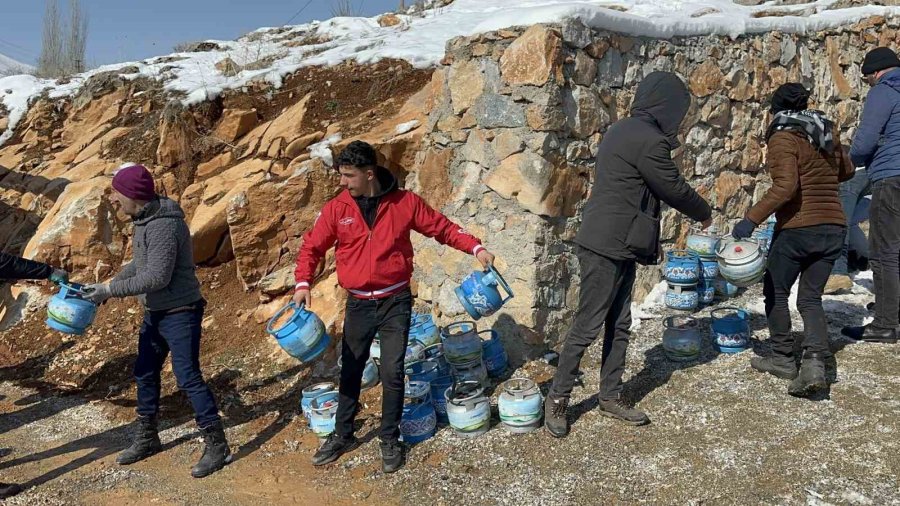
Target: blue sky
<point x="127" y="30"/>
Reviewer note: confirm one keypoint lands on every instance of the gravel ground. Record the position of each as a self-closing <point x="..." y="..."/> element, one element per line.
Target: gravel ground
<point x="721" y="434"/>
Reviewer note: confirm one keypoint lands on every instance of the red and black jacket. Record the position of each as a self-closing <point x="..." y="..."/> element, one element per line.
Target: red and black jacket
<point x="374" y="262"/>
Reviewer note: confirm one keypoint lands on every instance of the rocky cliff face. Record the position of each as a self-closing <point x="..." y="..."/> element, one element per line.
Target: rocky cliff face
<point x="501" y="138"/>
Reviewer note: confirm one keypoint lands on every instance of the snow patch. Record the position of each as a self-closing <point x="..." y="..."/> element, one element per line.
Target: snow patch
<point x="407" y="127"/>
<point x="323" y="149"/>
<point x="421" y="40"/>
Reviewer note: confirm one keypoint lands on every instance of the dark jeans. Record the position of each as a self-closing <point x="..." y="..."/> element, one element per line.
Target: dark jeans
<point x="809" y="253"/>
<point x="851" y="192"/>
<point x="884" y="246"/>
<point x="179" y="333"/>
<point x="390" y="318"/>
<point x="604" y="300"/>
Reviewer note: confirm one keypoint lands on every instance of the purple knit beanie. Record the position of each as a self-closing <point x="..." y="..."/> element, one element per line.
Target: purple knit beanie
<point x="135" y="182"/>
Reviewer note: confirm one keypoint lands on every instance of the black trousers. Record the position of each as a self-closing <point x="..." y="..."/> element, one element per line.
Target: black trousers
<point x="604" y="300"/>
<point x="390" y="318"/>
<point x="884" y="248"/>
<point x="808" y="253"/>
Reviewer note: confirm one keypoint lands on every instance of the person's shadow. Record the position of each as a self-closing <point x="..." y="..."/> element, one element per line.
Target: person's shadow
<point x="49" y="400"/>
<point x="658" y="368"/>
<point x="175" y="411"/>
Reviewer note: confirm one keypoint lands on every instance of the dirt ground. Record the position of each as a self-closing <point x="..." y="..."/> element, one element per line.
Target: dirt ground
<point x="721" y="433"/>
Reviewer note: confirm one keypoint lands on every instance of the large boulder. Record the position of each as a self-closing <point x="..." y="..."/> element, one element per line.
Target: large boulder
<point x="206" y="203"/>
<point x="266" y="220"/>
<point x="82" y="232"/>
<point x="235" y="123"/>
<point x="281" y="131"/>
<point x="537" y="184"/>
<point x="534" y="58"/>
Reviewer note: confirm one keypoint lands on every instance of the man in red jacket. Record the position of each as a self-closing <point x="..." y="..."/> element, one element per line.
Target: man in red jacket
<point x="369" y="225"/>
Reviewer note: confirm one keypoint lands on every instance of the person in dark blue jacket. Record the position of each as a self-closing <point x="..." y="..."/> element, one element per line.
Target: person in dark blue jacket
<point x="877" y="147"/>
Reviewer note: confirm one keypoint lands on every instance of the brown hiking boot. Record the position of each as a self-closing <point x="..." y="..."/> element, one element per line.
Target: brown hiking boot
<point x="555" y="416"/>
<point x="838" y="283"/>
<point x="615" y="408"/>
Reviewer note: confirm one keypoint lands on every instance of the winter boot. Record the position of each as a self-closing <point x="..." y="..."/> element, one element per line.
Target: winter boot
<point x="216" y="454"/>
<point x="777" y="365"/>
<point x="555" y="416"/>
<point x="146" y="442"/>
<point x="811" y="378"/>
<point x="9" y="490"/>
<point x="391" y="456"/>
<point x="615" y="408"/>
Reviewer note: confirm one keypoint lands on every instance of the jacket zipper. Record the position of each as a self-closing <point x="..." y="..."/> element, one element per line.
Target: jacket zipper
<point x="371" y="231"/>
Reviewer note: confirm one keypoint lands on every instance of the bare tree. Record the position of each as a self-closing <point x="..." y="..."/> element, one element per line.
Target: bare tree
<point x="78" y="28"/>
<point x="63" y="49"/>
<point x="50" y="61"/>
<point x="343" y="8"/>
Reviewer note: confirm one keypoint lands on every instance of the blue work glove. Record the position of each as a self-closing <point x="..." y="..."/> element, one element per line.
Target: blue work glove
<point x="98" y="293"/>
<point x="59" y="276"/>
<point x="743" y="229"/>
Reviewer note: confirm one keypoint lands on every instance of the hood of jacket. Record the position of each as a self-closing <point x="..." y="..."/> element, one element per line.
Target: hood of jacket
<point x="664" y="98"/>
<point x="891" y="79"/>
<point x="161" y="208"/>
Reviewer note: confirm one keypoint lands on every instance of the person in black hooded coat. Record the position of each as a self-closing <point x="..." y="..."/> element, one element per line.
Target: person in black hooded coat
<point x="13" y="268"/>
<point x="620" y="228"/>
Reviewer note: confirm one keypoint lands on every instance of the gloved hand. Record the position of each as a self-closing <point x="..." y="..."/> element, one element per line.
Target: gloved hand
<point x="98" y="293"/>
<point x="743" y="229"/>
<point x="59" y="276"/>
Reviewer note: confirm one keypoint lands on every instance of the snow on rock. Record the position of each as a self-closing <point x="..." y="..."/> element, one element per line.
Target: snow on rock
<point x="323" y="149"/>
<point x="645" y="311"/>
<point x="15" y="92"/>
<point x="407" y="127"/>
<point x="269" y="54"/>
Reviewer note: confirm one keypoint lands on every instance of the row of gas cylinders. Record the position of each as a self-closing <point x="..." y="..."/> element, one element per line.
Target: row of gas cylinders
<point x="452" y="363"/>
<point x="468" y="408"/>
<point x="683" y="337"/>
<point x="448" y="385"/>
<point x="713" y="266"/>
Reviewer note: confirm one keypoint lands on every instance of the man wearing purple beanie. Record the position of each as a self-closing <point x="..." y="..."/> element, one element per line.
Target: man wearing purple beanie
<point x="162" y="276"/>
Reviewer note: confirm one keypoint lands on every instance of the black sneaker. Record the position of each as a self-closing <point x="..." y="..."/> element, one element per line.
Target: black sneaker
<point x="333" y="448"/>
<point x="555" y="416"/>
<point x="615" y="408"/>
<point x="391" y="456"/>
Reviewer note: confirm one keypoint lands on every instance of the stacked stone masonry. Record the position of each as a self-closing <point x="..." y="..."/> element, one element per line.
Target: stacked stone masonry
<point x="518" y="115"/>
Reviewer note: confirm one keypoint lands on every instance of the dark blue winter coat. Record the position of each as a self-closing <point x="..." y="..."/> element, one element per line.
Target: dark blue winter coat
<point x="877" y="142"/>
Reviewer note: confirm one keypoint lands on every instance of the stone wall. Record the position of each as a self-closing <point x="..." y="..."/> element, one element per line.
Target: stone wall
<point x="518" y="116"/>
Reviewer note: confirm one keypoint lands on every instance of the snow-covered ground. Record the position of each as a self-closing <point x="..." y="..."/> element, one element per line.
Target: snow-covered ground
<point x="10" y="66"/>
<point x="420" y="39"/>
<point x="851" y="304"/>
